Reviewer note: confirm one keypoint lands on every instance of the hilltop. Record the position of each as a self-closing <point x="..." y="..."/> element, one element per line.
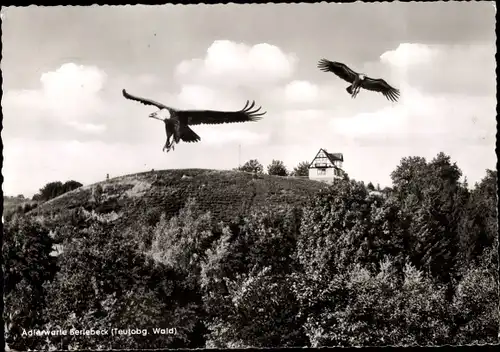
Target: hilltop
<point x="226" y="194"/>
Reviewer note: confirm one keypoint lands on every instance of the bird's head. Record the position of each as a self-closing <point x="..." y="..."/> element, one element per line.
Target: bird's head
<point x="162" y="114"/>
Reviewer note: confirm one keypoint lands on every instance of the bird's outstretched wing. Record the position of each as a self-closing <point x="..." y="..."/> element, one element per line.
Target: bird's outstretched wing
<point x="198" y="117"/>
<point x="144" y="100"/>
<point x="381" y="86"/>
<point x="337" y="68"/>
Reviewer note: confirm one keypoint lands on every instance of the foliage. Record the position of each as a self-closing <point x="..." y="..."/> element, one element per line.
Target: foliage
<point x="302" y="169"/>
<point x="345" y="224"/>
<point x="55" y="189"/>
<point x="253" y="166"/>
<point x="432" y="193"/>
<point x="480" y="221"/>
<point x="277" y="168"/>
<point x="106" y="282"/>
<point x="18" y="206"/>
<point x="247" y="283"/>
<point x="27" y="266"/>
<point x="412" y="311"/>
<point x="475" y="305"/>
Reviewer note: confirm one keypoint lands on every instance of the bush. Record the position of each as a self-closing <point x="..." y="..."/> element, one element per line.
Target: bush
<point x="247" y="283"/>
<point x="253" y="166"/>
<point x="412" y="313"/>
<point x="106" y="280"/>
<point x="28" y="266"/>
<point x="277" y="168"/>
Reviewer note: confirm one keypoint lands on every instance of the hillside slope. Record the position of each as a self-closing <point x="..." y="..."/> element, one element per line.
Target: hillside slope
<point x="11" y="204"/>
<point x="226" y="194"/>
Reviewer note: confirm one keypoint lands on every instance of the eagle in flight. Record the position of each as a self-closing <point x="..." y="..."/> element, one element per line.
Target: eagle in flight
<point x="177" y="122"/>
<point x="359" y="80"/>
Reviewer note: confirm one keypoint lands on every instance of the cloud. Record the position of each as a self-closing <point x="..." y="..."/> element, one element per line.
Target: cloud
<point x="301" y="91"/>
<point x="196" y="96"/>
<point x="227" y="63"/>
<point x="460" y="69"/>
<point x="407" y="55"/>
<point x="423" y="116"/>
<point x="68" y="97"/>
<point x="420" y="124"/>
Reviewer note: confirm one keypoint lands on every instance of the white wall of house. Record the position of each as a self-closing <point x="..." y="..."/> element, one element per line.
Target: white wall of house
<point x="325" y="175"/>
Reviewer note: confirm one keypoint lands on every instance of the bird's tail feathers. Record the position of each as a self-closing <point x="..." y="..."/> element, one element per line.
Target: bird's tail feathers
<point x="188" y="135"/>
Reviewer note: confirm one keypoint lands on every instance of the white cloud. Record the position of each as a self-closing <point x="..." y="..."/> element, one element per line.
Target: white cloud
<point x="71" y="91"/>
<point x="460" y="69"/>
<point x="196" y="96"/>
<point x="423" y="125"/>
<point x="236" y="64"/>
<point x="408" y="54"/>
<point x="67" y="96"/>
<point x="301" y="91"/>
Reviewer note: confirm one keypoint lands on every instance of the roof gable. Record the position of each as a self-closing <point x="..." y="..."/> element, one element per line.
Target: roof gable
<point x="332" y="157"/>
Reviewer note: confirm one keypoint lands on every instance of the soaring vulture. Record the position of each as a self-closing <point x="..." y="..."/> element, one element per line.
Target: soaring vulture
<point x="177" y="121"/>
<point x="358" y="80"/>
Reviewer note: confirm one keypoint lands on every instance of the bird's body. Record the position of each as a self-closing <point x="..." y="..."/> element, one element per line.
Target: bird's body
<point x="177" y="122"/>
<point x="358" y="80"/>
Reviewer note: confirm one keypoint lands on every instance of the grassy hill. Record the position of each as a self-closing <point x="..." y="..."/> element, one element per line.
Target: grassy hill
<point x="226" y="194"/>
<point x="10" y="204"/>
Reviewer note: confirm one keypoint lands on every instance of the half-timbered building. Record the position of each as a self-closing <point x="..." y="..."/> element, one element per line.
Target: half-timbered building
<point x="326" y="167"/>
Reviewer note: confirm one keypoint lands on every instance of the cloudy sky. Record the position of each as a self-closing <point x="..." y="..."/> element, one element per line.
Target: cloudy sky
<point x="64" y="67"/>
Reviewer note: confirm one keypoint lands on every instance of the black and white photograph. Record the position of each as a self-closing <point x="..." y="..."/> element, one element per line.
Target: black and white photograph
<point x="269" y="175"/>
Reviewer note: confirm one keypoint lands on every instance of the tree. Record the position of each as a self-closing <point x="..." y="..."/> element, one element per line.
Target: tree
<point x="370" y="186"/>
<point x="106" y="281"/>
<point x="247" y="282"/>
<point x="253" y="166"/>
<point x="28" y="266"/>
<point x="432" y="193"/>
<point x="55" y="189"/>
<point x="302" y="169"/>
<point x="475" y="304"/>
<point x="277" y="168"/>
<point x="480" y="223"/>
<point x="71" y="185"/>
<point x="413" y="311"/>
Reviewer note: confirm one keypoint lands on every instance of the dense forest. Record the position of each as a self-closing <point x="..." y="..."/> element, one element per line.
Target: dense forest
<point x="415" y="265"/>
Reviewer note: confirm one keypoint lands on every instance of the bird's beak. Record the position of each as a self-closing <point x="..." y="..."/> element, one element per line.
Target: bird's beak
<point x="153" y="115"/>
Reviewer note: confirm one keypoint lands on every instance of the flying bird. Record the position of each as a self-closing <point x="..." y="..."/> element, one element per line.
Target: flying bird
<point x="177" y="122"/>
<point x="358" y="80"/>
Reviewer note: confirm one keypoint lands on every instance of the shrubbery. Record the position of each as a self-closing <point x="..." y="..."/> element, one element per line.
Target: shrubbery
<point x="55" y="189"/>
<point x="414" y="265"/>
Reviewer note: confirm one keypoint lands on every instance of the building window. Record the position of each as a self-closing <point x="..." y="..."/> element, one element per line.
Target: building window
<point x="321" y="172"/>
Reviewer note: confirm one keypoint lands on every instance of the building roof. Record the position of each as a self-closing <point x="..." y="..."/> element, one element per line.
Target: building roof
<point x="334" y="156"/>
<point x="331" y="156"/>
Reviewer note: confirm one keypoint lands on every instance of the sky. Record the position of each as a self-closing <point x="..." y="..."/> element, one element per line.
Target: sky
<point x="64" y="117"/>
